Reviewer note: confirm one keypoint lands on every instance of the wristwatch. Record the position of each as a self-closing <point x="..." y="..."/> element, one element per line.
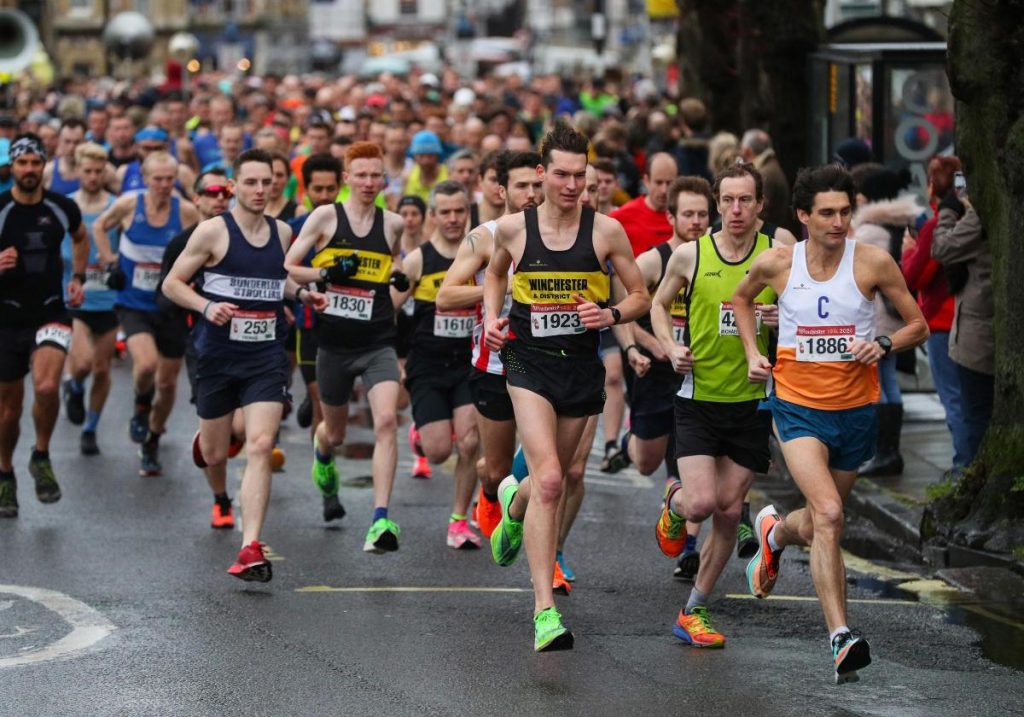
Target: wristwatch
<point x="616" y="315"/>
<point x="80" y="276"/>
<point x="886" y="343"/>
<point x="323" y="274"/>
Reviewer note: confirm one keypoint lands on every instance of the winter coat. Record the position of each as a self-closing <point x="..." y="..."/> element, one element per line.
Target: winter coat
<point x="962" y="240"/>
<point x="882" y="224"/>
<point x="925" y="276"/>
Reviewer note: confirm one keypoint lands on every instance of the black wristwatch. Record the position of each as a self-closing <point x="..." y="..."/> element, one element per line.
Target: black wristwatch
<point x="616" y="315"/>
<point x="80" y="276"/>
<point x="886" y="343"/>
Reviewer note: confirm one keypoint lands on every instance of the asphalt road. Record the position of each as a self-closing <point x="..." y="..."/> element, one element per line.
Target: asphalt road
<point x="115" y="602"/>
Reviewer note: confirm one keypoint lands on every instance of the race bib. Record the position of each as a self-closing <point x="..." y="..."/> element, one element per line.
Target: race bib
<point x="348" y="302"/>
<point x="825" y="343"/>
<point x="146" y="277"/>
<point x="55" y="334"/>
<point x="555" y="320"/>
<point x="253" y="326"/>
<point x="678" y="330"/>
<point x="454" y="324"/>
<point x="727" y="319"/>
<point x="95" y="278"/>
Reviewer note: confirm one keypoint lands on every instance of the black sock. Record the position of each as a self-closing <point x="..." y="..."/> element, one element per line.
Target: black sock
<point x="7" y="475"/>
<point x="608" y="446"/>
<point x="222" y="500"/>
<point x="493" y="497"/>
<point x="745" y="512"/>
<point x="144" y="401"/>
<point x="38" y="455"/>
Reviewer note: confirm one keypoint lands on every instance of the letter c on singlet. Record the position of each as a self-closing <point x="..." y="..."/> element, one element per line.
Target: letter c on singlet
<point x="822" y="300"/>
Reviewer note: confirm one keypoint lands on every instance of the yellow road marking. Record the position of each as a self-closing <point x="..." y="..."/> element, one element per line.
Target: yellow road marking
<point x="811" y="598"/>
<point x="866" y="567"/>
<point x="425" y="589"/>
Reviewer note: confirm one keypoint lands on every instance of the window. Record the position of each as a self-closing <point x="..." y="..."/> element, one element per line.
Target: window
<point x="408" y="7"/>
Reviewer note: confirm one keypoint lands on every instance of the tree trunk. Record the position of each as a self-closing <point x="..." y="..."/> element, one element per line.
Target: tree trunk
<point x="986" y="44"/>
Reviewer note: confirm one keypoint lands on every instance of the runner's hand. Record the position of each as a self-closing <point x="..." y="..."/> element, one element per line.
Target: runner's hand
<point x="344" y="268"/>
<point x="867" y="352"/>
<point x="592" y="316"/>
<point x="400" y="281"/>
<point x="219" y="312"/>
<point x="681" y="359"/>
<point x="116" y="279"/>
<point x="8" y="258"/>
<point x="495" y="333"/>
<point x="769" y="315"/>
<point x="75" y="293"/>
<point x="759" y="369"/>
<point x="315" y="299"/>
<point x="638" y="362"/>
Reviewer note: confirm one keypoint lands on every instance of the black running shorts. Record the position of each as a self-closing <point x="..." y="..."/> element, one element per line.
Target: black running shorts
<point x="222" y="386"/>
<point x="437" y="387"/>
<point x="573" y="385"/>
<point x="734" y="430"/>
<point x="490" y="394"/>
<point x="99" y="322"/>
<point x="167" y="330"/>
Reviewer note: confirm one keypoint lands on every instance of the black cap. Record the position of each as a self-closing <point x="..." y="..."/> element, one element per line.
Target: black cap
<point x="412" y="200"/>
<point x="7" y="120"/>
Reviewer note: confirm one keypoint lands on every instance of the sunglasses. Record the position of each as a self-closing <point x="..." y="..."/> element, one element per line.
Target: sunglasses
<point x="217" y="190"/>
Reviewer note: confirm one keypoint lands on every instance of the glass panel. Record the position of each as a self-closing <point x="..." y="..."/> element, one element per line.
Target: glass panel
<point x="863" y="118"/>
<point x="842" y="119"/>
<point x="918" y="119"/>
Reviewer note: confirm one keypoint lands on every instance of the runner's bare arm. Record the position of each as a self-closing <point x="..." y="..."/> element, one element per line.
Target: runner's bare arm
<point x="189" y="214"/>
<point x="677" y="277"/>
<point x="784" y="237"/>
<point x="393" y="228"/>
<point x="456" y="291"/>
<point x="112" y="217"/>
<point x="891" y="284"/>
<point x="637" y="301"/>
<point x="196" y="254"/>
<point x="116" y="180"/>
<point x="312" y="231"/>
<point x="48" y="173"/>
<point x="79" y="259"/>
<point x="764" y="268"/>
<point x="496" y="284"/>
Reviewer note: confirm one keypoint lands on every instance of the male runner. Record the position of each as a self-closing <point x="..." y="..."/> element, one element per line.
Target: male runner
<point x="61" y="173"/>
<point x="240" y="339"/>
<point x="130" y="177"/>
<point x="721" y="441"/>
<point x="826" y="382"/>
<point x="156" y="342"/>
<point x="35" y="329"/>
<point x="492" y="198"/>
<point x="650" y="438"/>
<point x="356" y="247"/>
<point x="549" y="350"/>
<point x="95" y="323"/>
<point x="462" y="288"/>
<point x="438" y="367"/>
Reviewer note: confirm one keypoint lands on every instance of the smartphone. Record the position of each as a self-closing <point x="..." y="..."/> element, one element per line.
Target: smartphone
<point x="960" y="185"/>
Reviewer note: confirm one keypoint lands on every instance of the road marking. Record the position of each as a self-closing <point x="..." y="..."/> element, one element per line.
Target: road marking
<point x="866" y="567"/>
<point x="811" y="598"/>
<point x="427" y="589"/>
<point x="88" y="625"/>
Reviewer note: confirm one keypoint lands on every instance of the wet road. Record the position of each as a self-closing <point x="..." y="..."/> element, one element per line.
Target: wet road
<point x="115" y="602"/>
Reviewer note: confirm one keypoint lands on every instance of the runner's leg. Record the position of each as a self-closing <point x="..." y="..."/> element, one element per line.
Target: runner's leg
<point x="12" y="398"/>
<point x="262" y="421"/>
<point x="383" y="400"/>
<point x="47" y="367"/>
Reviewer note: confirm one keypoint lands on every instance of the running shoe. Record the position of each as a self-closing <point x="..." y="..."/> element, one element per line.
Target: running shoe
<point x="507" y="538"/>
<point x="564" y="565"/>
<point x="746" y="541"/>
<point x="251" y="564"/>
<point x="8" y="498"/>
<point x="277" y="458"/>
<point x="197" y="453"/>
<point x="488" y="514"/>
<point x="88" y="444"/>
<point x="149" y="463"/>
<point x="138" y="427"/>
<point x="763" y="568"/>
<point x="615" y="459"/>
<point x="549" y="634"/>
<point x="47" y="490"/>
<point x="382" y="537"/>
<point x="461" y="536"/>
<point x="689" y="562"/>
<point x="74" y="401"/>
<point x="304" y="413"/>
<point x="325" y="475"/>
<point x="850" y="652"/>
<point x="222" y="517"/>
<point x="697" y="630"/>
<point x="235" y="447"/>
<point x="671" y="529"/>
<point x="333" y="509"/>
<point x="559" y="584"/>
<point x="421" y="468"/>
<point x="121" y="346"/>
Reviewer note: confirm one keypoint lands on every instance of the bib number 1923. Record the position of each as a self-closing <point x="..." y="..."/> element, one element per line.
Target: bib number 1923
<point x="825" y="343"/>
<point x="555" y="320"/>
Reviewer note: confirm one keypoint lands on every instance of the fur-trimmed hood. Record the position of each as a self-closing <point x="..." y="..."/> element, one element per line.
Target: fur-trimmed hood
<point x="870" y="220"/>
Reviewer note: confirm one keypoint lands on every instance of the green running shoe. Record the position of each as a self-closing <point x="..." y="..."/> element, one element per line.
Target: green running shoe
<point x="507" y="538"/>
<point x="325" y="475"/>
<point x="549" y="634"/>
<point x="47" y="490"/>
<point x="382" y="537"/>
<point x="8" y="498"/>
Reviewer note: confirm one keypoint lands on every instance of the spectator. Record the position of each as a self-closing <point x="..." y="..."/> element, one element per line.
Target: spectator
<point x="959" y="240"/>
<point x="692" y="152"/>
<point x="723" y="150"/>
<point x="756" y="148"/>
<point x="427" y="170"/>
<point x="645" y="218"/>
<point x="926" y="276"/>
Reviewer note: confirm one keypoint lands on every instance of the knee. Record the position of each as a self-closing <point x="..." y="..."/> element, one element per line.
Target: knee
<point x="547" y="485"/>
<point x="145" y="366"/>
<point x="828" y="518"/>
<point x="729" y="515"/>
<point x="575" y="473"/>
<point x="699" y="508"/>
<point x="259" y="445"/>
<point x="46" y="388"/>
<point x="385" y="424"/>
<point x="334" y="434"/>
<point x="101" y="369"/>
<point x="469" y="444"/>
<point x="646" y="465"/>
<point x="613" y="380"/>
<point x="497" y="469"/>
<point x="167" y="385"/>
<point x="214" y="455"/>
<point x="437" y="451"/>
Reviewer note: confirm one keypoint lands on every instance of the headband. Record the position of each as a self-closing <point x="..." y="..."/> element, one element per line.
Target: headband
<point x="27" y="145"/>
<point x="153" y="134"/>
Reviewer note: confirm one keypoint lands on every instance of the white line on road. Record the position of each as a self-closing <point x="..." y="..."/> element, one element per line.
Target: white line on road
<point x="812" y="598"/>
<point x="438" y="589"/>
<point x="88" y="625"/>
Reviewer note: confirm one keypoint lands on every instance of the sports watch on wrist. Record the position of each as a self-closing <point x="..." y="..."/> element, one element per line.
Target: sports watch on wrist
<point x="886" y="343"/>
<point x="616" y="315"/>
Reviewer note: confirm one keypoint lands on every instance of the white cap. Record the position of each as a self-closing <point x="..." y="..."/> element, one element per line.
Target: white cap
<point x="464" y="96"/>
<point x="429" y="79"/>
<point x="347" y="114"/>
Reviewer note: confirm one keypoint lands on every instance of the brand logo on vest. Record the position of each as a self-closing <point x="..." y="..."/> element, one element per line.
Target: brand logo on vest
<point x="716" y="274"/>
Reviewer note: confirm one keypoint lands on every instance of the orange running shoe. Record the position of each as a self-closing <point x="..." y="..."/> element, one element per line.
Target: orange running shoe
<point x="488" y="514"/>
<point x="696" y="629"/>
<point x="559" y="584"/>
<point x="671" y="529"/>
<point x="222" y="517"/>
<point x="277" y="460"/>
<point x="421" y="469"/>
<point x="763" y="568"/>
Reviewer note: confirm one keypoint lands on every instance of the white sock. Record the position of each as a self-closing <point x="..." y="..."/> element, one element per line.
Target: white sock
<point x="837" y="631"/>
<point x="771" y="538"/>
<point x="697" y="599"/>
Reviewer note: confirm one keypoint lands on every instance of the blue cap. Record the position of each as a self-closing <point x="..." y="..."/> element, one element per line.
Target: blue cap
<point x="5" y="151"/>
<point x="153" y="134"/>
<point x="425" y="142"/>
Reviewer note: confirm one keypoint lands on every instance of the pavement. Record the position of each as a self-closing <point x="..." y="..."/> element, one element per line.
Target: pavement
<point x="114" y="601"/>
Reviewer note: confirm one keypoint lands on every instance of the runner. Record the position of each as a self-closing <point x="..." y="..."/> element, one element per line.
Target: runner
<point x="280" y="206"/>
<point x="438" y="367"/>
<point x="521" y="187"/>
<point x="130" y="177"/>
<point x="549" y="348"/>
<point x="35" y="329"/>
<point x="240" y="339"/>
<point x="95" y="323"/>
<point x="651" y="435"/>
<point x="721" y="441"/>
<point x="356" y="247"/>
<point x="148" y="219"/>
<point x="826" y="380"/>
<point x="61" y="173"/>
